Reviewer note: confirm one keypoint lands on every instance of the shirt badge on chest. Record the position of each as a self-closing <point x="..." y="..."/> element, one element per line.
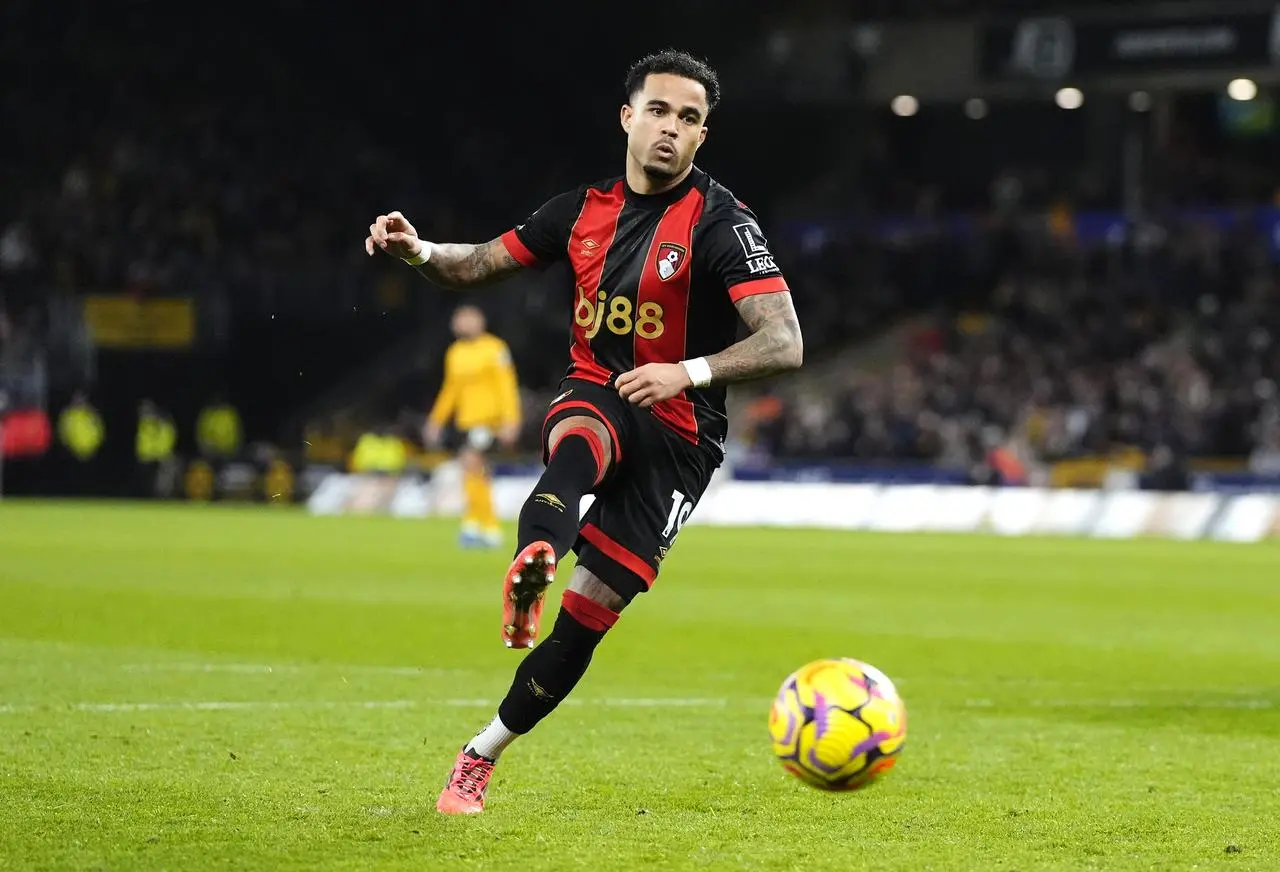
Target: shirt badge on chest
<point x="670" y="258"/>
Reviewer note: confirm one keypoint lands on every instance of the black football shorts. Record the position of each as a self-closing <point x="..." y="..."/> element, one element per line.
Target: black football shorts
<point x="647" y="494"/>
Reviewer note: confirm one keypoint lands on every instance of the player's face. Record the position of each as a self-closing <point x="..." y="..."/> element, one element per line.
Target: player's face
<point x="665" y="124"/>
<point x="468" y="323"/>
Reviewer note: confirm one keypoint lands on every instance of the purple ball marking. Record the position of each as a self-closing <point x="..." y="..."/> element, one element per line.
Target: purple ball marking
<point x="819" y="714"/>
<point x="877" y="692"/>
<point x="867" y="745"/>
<point x="820" y="727"/>
<point x="819" y="765"/>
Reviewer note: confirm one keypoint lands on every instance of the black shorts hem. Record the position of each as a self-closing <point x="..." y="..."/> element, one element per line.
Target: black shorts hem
<point x="615" y="576"/>
<point x="627" y="573"/>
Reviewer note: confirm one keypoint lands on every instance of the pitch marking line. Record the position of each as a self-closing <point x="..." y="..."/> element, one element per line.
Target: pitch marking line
<point x="204" y="706"/>
<point x="1257" y="704"/>
<point x="260" y="705"/>
<point x="1043" y="686"/>
<point x="287" y="668"/>
<point x="606" y="702"/>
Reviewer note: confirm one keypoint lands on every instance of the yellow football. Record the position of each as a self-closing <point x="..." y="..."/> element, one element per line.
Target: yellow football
<point x="838" y="724"/>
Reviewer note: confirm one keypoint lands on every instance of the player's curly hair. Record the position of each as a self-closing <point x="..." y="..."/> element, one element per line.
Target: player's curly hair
<point x="678" y="63"/>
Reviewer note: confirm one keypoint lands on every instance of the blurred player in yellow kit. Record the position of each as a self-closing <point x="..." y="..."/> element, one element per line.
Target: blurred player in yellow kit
<point x="479" y="397"/>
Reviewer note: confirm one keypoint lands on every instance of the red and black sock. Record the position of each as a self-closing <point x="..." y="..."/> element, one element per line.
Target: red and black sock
<point x="551" y="670"/>
<point x="552" y="511"/>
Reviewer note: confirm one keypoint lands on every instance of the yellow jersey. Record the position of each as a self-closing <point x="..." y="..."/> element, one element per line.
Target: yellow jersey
<point x="479" y="387"/>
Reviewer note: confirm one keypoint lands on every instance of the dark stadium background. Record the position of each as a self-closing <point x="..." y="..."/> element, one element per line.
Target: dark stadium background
<point x="267" y="137"/>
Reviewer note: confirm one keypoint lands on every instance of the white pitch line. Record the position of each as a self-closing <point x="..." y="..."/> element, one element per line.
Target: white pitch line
<point x="1044" y="686"/>
<point x="1252" y="704"/>
<point x="606" y="702"/>
<point x="286" y="668"/>
<point x="283" y="705"/>
<point x="208" y="706"/>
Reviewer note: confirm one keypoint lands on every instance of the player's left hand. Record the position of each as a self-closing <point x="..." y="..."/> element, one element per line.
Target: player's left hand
<point x="653" y="383"/>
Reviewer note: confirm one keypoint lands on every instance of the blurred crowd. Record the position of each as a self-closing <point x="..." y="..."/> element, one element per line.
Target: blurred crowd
<point x="1028" y="343"/>
<point x="1163" y="339"/>
<point x="14" y="336"/>
<point x="184" y="197"/>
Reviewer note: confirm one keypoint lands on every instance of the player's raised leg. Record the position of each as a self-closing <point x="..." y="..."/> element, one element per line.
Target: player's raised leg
<point x="580" y="450"/>
<point x="544" y="678"/>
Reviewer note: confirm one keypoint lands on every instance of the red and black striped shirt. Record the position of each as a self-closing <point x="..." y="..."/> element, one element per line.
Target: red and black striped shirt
<point x="656" y="277"/>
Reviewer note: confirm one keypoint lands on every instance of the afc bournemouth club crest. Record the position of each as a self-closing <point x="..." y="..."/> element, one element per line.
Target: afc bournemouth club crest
<point x="670" y="259"/>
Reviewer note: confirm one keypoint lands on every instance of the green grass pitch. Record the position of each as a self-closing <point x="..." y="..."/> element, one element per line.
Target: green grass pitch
<point x="219" y="688"/>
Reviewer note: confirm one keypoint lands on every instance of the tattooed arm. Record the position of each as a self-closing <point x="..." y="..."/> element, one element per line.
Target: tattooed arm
<point x="452" y="265"/>
<point x="542" y="239"/>
<point x="775" y="344"/>
<point x="758" y="290"/>
<point x="459" y="265"/>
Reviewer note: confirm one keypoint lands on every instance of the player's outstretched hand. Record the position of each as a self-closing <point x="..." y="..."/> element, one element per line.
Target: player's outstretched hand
<point x="653" y="383"/>
<point x="393" y="234"/>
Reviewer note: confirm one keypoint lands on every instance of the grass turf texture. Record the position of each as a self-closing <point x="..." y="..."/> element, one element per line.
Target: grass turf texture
<point x="187" y="687"/>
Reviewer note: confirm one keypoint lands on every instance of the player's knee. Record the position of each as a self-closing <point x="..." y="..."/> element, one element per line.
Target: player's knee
<point x="589" y="429"/>
<point x="581" y="425"/>
<point x="591" y="601"/>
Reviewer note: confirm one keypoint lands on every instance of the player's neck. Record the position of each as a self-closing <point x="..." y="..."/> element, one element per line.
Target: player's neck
<point x="642" y="183"/>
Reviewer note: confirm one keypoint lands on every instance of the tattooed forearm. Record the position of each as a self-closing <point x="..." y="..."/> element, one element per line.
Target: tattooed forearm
<point x="455" y="265"/>
<point x="775" y="344"/>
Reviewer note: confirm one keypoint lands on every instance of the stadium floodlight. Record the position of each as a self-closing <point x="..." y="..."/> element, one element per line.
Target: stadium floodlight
<point x="904" y="105"/>
<point x="1242" y="89"/>
<point x="1069" y="98"/>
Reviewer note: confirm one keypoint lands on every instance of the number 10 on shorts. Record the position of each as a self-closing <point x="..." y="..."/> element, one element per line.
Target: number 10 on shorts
<point x="681" y="508"/>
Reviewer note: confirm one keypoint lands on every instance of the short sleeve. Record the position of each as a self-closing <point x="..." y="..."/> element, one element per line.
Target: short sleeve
<point x="544" y="236"/>
<point x="738" y="254"/>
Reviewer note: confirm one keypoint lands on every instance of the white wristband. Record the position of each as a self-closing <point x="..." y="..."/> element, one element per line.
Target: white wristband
<point x="699" y="371"/>
<point x="423" y="255"/>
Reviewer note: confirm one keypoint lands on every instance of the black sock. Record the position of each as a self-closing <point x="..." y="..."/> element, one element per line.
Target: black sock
<point x="548" y="673"/>
<point x="551" y="513"/>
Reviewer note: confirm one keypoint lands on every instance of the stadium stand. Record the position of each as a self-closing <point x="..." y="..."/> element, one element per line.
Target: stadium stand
<point x="1023" y="331"/>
